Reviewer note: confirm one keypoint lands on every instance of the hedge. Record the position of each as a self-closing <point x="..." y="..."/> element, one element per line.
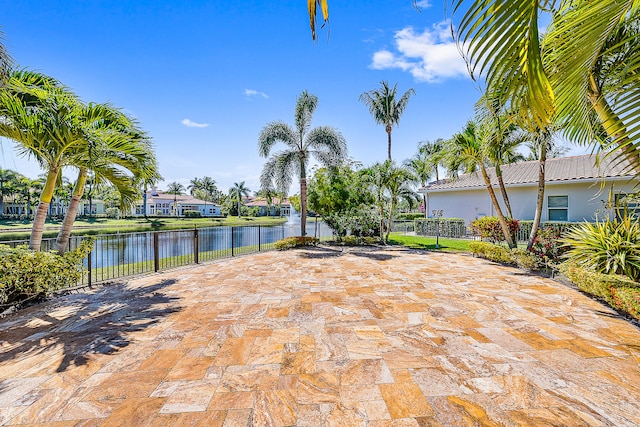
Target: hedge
<point x="618" y="291"/>
<point x="26" y="274"/>
<point x="293" y="242"/>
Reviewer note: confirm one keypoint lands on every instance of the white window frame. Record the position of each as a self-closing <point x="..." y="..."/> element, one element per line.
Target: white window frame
<point x="557" y="208"/>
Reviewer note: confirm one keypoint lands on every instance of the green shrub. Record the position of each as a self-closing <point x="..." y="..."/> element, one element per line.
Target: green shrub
<point x="359" y="240"/>
<point x="520" y="257"/>
<point x="525" y="259"/>
<point x="608" y="247"/>
<point x="294" y="242"/>
<point x="191" y="214"/>
<point x="25" y="274"/>
<point x="410" y="216"/>
<point x="547" y="246"/>
<point x="618" y="291"/>
<point x="478" y="248"/>
<point x="488" y="227"/>
<point x="112" y="212"/>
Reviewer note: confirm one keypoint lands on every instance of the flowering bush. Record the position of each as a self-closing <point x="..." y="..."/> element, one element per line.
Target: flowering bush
<point x="547" y="246"/>
<point x="488" y="227"/>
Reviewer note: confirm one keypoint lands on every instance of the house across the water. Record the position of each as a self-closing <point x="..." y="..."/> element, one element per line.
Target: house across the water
<point x="577" y="189"/>
<point x="160" y="203"/>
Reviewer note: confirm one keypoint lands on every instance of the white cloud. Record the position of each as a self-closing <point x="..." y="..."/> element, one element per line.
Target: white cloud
<point x="191" y="124"/>
<point x="431" y="56"/>
<point x="252" y="92"/>
<point x="423" y="4"/>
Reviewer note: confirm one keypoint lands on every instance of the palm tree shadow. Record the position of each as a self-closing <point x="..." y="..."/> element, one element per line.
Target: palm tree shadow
<point x="101" y="323"/>
<point x="377" y="256"/>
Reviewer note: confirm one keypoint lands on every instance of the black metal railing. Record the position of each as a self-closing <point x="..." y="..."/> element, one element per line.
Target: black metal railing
<point x="127" y="254"/>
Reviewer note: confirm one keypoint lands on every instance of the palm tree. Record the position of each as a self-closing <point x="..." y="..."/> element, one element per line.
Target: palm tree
<point x="41" y="115"/>
<point x="116" y="151"/>
<point x="194" y="185"/>
<point x="500" y="138"/>
<point x="6" y="178"/>
<point x="175" y="188"/>
<point x="384" y="108"/>
<point x="433" y="153"/>
<point x="421" y="169"/>
<point x="587" y="62"/>
<point x="397" y="185"/>
<point x="5" y="60"/>
<point x="324" y="143"/>
<point x="472" y="151"/>
<point x="238" y="191"/>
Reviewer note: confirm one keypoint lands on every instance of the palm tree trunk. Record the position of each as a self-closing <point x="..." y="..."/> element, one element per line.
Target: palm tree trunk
<point x="503" y="191"/>
<point x="612" y="124"/>
<point x="41" y="214"/>
<point x="540" y="200"/>
<point x="303" y="206"/>
<point x="67" y="224"/>
<point x="393" y="206"/>
<point x="501" y="219"/>
<point x="389" y="141"/>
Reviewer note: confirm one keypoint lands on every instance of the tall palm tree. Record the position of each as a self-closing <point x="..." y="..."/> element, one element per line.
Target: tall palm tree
<point x="5" y="60"/>
<point x="323" y="143"/>
<point x="561" y="79"/>
<point x="421" y="170"/>
<point x="500" y="138"/>
<point x="41" y="115"/>
<point x="175" y="188"/>
<point x="194" y="185"/>
<point x="116" y="151"/>
<point x="238" y="191"/>
<point x="384" y="108"/>
<point x="472" y="150"/>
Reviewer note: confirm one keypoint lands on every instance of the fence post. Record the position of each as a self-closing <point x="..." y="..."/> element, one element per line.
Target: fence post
<point x="195" y="245"/>
<point x="156" y="253"/>
<point x="89" y="268"/>
<point x="259" y="243"/>
<point x="232" y="241"/>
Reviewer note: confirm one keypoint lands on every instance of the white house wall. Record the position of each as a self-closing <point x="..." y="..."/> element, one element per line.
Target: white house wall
<point x="585" y="200"/>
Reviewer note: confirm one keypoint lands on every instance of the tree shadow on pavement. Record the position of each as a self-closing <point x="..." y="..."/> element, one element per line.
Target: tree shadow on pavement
<point x="83" y="324"/>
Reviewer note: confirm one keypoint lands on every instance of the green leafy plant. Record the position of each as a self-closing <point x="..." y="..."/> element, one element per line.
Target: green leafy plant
<point x="488" y="227"/>
<point x="191" y="214"/>
<point x="608" y="247"/>
<point x="294" y="242"/>
<point x="618" y="291"/>
<point x="26" y="274"/>
<point x="548" y="247"/>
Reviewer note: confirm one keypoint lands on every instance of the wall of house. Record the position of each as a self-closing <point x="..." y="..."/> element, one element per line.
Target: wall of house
<point x="584" y="200"/>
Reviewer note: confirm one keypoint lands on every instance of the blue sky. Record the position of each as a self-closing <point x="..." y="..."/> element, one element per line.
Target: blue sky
<point x="204" y="77"/>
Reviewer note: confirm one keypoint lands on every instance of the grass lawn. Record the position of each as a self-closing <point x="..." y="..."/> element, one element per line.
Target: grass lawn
<point x="21" y="229"/>
<point x="420" y="242"/>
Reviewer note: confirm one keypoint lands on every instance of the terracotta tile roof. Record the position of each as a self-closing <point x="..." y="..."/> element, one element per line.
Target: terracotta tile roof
<point x="559" y="169"/>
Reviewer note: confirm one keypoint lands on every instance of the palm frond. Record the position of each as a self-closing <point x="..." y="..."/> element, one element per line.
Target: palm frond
<point x="273" y="133"/>
<point x="306" y="105"/>
<point x="500" y="40"/>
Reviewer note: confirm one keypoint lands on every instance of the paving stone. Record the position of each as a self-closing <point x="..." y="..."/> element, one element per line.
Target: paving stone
<point x="313" y="337"/>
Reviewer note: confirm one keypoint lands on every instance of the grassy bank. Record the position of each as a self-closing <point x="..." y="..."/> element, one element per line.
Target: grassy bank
<point x="20" y="229"/>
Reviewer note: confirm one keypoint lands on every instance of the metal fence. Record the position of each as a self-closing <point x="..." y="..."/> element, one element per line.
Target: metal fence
<point x="128" y="254"/>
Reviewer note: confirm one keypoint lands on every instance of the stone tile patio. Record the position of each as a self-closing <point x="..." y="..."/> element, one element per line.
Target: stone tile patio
<point x="320" y="336"/>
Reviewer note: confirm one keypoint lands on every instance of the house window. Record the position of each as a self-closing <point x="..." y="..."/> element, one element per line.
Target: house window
<point x="558" y="208"/>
